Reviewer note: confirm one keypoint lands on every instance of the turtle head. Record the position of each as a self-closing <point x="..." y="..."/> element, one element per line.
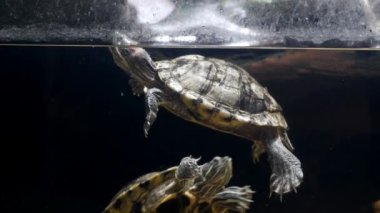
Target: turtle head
<point x="188" y="169"/>
<point x="216" y="174"/>
<point x="136" y="62"/>
<point x="187" y="172"/>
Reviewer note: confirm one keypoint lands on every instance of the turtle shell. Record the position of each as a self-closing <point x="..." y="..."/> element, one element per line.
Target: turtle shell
<point x="153" y="192"/>
<point x="130" y="198"/>
<point x="220" y="91"/>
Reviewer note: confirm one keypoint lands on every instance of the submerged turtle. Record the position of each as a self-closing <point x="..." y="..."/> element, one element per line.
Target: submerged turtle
<point x="219" y="95"/>
<point x="191" y="188"/>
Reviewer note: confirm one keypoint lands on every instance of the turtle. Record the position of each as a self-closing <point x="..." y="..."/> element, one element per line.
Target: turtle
<point x="191" y="188"/>
<point x="219" y="95"/>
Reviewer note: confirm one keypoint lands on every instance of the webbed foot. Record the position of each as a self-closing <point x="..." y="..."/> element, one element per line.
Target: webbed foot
<point x="152" y="101"/>
<point x="287" y="173"/>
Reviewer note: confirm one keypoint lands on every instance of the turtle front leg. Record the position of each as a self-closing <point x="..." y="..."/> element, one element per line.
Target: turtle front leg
<point x="153" y="97"/>
<point x="232" y="198"/>
<point x="287" y="173"/>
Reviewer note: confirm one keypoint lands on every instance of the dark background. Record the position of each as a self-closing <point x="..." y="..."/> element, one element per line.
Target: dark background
<point x="71" y="135"/>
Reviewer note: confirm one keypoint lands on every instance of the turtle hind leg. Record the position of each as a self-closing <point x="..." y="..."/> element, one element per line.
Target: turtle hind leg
<point x="153" y="98"/>
<point x="287" y="173"/>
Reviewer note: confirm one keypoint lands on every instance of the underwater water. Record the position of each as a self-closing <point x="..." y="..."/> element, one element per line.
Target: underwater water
<point x="72" y="132"/>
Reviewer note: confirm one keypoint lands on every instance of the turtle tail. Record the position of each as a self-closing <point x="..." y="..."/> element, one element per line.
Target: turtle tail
<point x="285" y="140"/>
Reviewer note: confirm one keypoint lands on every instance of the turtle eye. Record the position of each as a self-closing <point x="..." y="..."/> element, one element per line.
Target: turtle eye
<point x="141" y="55"/>
<point x="133" y="51"/>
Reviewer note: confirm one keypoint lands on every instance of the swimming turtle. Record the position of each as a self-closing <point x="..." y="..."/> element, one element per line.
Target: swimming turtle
<point x="191" y="188"/>
<point x="219" y="95"/>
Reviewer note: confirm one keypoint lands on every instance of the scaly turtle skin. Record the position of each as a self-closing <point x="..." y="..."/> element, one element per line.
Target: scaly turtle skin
<point x="219" y="95"/>
<point x="195" y="189"/>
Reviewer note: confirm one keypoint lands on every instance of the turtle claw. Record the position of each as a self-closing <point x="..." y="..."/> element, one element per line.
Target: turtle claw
<point x="285" y="179"/>
<point x="146" y="132"/>
<point x="295" y="190"/>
